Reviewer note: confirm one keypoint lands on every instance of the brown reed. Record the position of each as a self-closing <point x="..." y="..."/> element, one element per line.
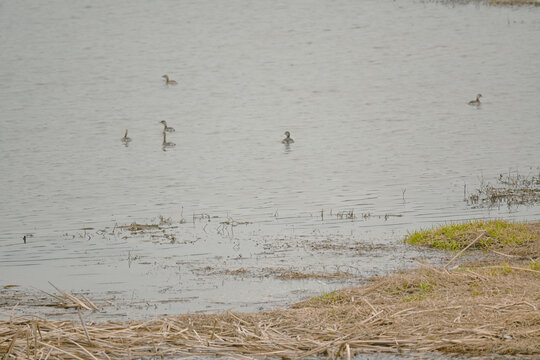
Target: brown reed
<point x="476" y="310"/>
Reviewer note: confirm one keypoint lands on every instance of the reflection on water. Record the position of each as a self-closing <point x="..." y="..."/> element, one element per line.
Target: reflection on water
<point x="167" y="144"/>
<point x="376" y="97"/>
<point x="125" y="139"/>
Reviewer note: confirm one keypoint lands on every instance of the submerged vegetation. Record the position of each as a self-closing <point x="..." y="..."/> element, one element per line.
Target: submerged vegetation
<point x="496" y="233"/>
<point x="510" y="189"/>
<point x="515" y="2"/>
<point x="492" y="2"/>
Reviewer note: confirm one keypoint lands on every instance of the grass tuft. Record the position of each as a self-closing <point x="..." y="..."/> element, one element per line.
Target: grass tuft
<point x="330" y="298"/>
<point x="499" y="233"/>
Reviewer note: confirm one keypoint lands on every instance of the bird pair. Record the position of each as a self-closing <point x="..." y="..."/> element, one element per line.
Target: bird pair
<point x="166" y="129"/>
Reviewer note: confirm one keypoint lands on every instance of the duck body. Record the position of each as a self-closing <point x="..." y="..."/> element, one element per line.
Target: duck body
<point x="477" y="101"/>
<point x="125" y="139"/>
<point x="288" y="139"/>
<point x="168" y="81"/>
<point x="165" y="127"/>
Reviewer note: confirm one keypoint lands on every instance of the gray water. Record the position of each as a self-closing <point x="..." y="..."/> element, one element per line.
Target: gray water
<point x="374" y="93"/>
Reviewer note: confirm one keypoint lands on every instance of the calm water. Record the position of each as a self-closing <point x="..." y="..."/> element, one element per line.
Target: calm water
<point x="375" y="94"/>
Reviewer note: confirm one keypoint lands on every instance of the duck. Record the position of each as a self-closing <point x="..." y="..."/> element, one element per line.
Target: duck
<point x="288" y="139"/>
<point x="477" y="101"/>
<point x="165" y="127"/>
<point x="167" y="81"/>
<point x="165" y="143"/>
<point x="125" y="139"/>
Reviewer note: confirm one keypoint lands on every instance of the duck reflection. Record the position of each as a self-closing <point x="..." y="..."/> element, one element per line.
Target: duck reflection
<point x="126" y="140"/>
<point x="166" y="144"/>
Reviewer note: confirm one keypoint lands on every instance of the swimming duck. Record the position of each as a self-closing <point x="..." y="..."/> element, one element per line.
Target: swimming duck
<point x="125" y="139"/>
<point x="165" y="143"/>
<point x="167" y="81"/>
<point x="165" y="127"/>
<point x="477" y="101"/>
<point x="288" y="139"/>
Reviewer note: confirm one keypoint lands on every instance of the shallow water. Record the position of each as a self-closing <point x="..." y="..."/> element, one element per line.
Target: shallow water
<point x="374" y="93"/>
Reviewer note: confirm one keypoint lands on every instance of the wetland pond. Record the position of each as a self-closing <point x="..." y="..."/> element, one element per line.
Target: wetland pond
<point x="374" y="93"/>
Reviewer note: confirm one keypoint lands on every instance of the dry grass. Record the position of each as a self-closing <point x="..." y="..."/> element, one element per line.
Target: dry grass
<point x="480" y="310"/>
<point x="139" y="227"/>
<point x="281" y="273"/>
<point x="475" y="311"/>
<point x="285" y="274"/>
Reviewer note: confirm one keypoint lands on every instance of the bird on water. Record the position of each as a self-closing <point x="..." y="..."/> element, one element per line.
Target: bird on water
<point x="125" y="139"/>
<point x="168" y="81"/>
<point x="477" y="101"/>
<point x="288" y="139"/>
<point x="165" y="127"/>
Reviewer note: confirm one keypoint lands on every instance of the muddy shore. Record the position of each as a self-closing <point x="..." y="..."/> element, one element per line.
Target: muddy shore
<point x="489" y="306"/>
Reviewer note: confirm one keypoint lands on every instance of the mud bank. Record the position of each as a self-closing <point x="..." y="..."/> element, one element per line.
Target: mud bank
<point x="489" y="307"/>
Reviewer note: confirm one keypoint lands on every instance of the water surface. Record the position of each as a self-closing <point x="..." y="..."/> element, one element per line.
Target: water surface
<point x="374" y="93"/>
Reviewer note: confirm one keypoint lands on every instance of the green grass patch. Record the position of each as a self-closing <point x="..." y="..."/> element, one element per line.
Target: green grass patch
<point x="330" y="298"/>
<point x="419" y="291"/>
<point x="504" y="269"/>
<point x="499" y="233"/>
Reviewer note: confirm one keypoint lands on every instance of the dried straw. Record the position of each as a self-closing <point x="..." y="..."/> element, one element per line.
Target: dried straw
<point x="481" y="310"/>
<point x="488" y="310"/>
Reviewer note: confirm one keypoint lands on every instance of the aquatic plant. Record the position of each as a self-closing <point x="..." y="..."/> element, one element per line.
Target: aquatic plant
<point x="511" y="189"/>
<point x="515" y="2"/>
<point x="346" y="214"/>
<point x="489" y="2"/>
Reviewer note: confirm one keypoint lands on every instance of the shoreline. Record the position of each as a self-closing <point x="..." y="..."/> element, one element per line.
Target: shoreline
<point x="486" y="307"/>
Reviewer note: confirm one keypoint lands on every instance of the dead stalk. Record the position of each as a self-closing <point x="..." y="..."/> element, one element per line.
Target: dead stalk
<point x="482" y="233"/>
